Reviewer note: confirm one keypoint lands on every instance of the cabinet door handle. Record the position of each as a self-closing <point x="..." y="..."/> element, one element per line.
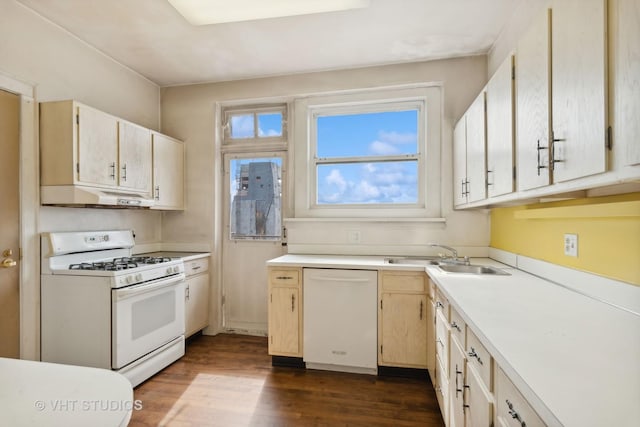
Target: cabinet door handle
<point x="124" y="172"/>
<point x="157" y="192"/>
<point x="462" y="193"/>
<point x="112" y="174"/>
<point x="488" y="172"/>
<point x="293" y="302"/>
<point x="473" y="353"/>
<point x="458" y="389"/>
<point x="421" y="304"/>
<point x="454" y="325"/>
<point x="439" y="304"/>
<point x="196" y="267"/>
<point x="553" y="150"/>
<point x="514" y="414"/>
<point x="539" y="148"/>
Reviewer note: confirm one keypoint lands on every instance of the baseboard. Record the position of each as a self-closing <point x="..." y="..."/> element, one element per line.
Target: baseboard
<point x="288" y="362"/>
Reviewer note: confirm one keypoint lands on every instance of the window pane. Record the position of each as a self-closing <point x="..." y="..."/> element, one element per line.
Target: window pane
<point x="368" y="134"/>
<point x="242" y="126"/>
<point x="362" y="183"/>
<point x="256" y="198"/>
<point x="269" y="124"/>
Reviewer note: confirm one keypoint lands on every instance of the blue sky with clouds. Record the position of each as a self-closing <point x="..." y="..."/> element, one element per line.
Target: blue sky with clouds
<point x="370" y="134"/>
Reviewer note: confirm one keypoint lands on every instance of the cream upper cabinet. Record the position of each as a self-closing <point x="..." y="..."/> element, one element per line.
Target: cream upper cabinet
<point x="402" y="320"/>
<point x="460" y="162"/>
<point x="168" y="172"/>
<point x="625" y="70"/>
<point x="97" y="147"/>
<point x="134" y="157"/>
<point x="579" y="88"/>
<point x="500" y="116"/>
<point x="476" y="150"/>
<point x="533" y="101"/>
<point x="284" y="312"/>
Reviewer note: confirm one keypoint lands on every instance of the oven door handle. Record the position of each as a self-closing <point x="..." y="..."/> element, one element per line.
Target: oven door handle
<point x="142" y="288"/>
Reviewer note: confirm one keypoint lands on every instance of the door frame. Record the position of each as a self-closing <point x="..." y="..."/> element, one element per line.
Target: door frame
<point x="28" y="183"/>
<point x="225" y="225"/>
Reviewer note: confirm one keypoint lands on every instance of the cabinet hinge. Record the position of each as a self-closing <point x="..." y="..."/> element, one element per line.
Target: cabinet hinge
<point x="380" y="304"/>
<point x="77" y="119"/>
<point x="609" y="138"/>
<point x="380" y="349"/>
<point x="513" y="72"/>
<point x="78" y="167"/>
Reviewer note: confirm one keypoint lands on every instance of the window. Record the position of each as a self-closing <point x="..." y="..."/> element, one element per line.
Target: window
<point x="369" y="154"/>
<point x="254" y="124"/>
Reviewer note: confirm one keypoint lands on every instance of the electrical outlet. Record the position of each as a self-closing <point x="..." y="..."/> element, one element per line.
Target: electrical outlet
<point x="354" y="236"/>
<point x="571" y="245"/>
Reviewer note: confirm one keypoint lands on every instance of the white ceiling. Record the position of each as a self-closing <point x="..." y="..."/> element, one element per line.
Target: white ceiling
<point x="152" y="38"/>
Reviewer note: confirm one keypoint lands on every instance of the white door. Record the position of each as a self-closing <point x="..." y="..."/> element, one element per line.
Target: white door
<point x="9" y="225"/>
<point x="253" y="235"/>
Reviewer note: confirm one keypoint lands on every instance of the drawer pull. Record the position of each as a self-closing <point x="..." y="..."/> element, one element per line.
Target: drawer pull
<point x="455" y="326"/>
<point x="293" y="302"/>
<point x="284" y="277"/>
<point x="421" y="304"/>
<point x="196" y="267"/>
<point x="473" y="353"/>
<point x="458" y="389"/>
<point x="514" y="414"/>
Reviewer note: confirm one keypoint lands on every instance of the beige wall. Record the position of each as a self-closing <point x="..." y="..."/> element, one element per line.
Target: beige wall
<point x="60" y="66"/>
<point x="188" y="113"/>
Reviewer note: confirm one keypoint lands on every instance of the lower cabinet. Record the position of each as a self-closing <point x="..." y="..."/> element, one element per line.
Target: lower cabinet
<point x="402" y="319"/>
<point x="470" y="387"/>
<point x="196" y="295"/>
<point x="285" y="312"/>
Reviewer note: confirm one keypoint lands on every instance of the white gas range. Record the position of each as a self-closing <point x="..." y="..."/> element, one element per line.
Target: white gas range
<point x="103" y="307"/>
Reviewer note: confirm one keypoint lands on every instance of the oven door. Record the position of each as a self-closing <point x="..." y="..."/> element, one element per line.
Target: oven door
<point x="144" y="317"/>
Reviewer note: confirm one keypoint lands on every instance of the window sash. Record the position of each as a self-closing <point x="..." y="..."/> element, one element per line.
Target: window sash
<point x="255" y="111"/>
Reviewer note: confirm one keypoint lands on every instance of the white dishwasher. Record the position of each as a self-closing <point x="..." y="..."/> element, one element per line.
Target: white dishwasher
<point x="340" y="320"/>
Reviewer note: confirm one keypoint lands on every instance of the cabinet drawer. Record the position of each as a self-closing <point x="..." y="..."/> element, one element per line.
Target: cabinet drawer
<point x="458" y="328"/>
<point x="284" y="276"/>
<point x="512" y="408"/>
<point x="196" y="266"/>
<point x="442" y="341"/>
<point x="442" y="305"/>
<point x="480" y="359"/>
<point x="408" y="281"/>
<point x="432" y="289"/>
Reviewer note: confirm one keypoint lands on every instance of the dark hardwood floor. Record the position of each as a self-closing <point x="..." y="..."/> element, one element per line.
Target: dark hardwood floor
<point x="228" y="380"/>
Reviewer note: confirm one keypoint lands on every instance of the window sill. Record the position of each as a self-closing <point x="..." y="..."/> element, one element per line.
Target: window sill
<point x="364" y="219"/>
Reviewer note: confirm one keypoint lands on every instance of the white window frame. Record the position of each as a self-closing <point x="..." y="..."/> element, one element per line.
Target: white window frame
<point x="253" y="110"/>
<point x="428" y="101"/>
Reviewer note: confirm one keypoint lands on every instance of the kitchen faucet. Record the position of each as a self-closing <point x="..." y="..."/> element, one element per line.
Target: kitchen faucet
<point x="454" y="253"/>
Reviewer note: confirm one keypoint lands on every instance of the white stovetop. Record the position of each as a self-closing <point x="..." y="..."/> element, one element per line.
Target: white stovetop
<point x="575" y="359"/>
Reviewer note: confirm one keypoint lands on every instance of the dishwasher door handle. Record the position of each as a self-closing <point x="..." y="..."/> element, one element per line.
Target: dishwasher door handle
<point x="339" y="279"/>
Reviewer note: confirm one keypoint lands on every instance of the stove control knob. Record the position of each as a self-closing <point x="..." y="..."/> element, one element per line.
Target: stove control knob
<point x="139" y="277"/>
<point x="129" y="279"/>
<point x="176" y="269"/>
<point x="169" y="270"/>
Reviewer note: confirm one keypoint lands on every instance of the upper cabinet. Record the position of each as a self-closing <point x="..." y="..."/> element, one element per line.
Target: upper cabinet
<point x="134" y="158"/>
<point x="81" y="147"/>
<point x="476" y="150"/>
<point x="168" y="172"/>
<point x="575" y="103"/>
<point x="578" y="88"/>
<point x="500" y="166"/>
<point x="533" y="102"/>
<point x="624" y="36"/>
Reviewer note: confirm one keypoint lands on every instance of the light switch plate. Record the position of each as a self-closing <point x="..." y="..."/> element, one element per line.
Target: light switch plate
<point x="571" y="245"/>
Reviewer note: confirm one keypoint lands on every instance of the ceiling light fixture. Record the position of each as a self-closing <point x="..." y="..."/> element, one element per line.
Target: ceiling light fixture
<point x="205" y="12"/>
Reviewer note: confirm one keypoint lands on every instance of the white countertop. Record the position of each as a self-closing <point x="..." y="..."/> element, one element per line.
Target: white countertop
<point x="48" y="394"/>
<point x="575" y="359"/>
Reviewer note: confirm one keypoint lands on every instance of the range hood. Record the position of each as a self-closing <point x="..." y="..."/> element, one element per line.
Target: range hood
<point x="77" y="195"/>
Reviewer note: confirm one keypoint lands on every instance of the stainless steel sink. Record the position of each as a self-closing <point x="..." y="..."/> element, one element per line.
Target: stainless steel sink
<point x="472" y="269"/>
<point x="413" y="260"/>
